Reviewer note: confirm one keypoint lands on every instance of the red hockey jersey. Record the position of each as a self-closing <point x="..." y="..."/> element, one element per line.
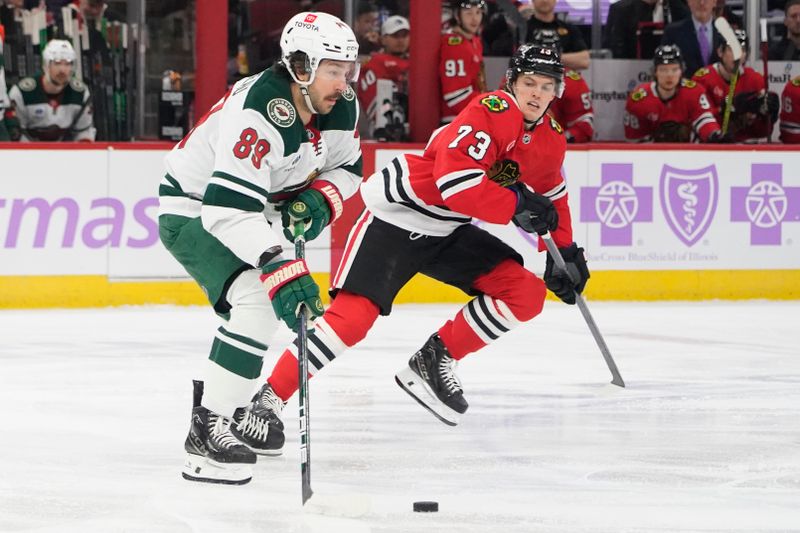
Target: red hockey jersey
<point x="448" y="185"/>
<point x="460" y="72"/>
<point x="574" y="109"/>
<point x="380" y="67"/>
<point x="790" y="112"/>
<point x="744" y="129"/>
<point x="645" y="110"/>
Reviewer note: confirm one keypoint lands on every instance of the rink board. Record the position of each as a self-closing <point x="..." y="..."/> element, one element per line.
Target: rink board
<point x="78" y="225"/>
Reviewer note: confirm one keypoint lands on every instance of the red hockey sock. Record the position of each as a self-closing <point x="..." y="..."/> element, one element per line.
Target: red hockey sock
<point x="511" y="295"/>
<point x="459" y="337"/>
<point x="344" y="324"/>
<point x="284" y="376"/>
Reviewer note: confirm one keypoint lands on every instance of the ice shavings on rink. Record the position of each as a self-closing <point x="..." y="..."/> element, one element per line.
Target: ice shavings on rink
<point x="704" y="438"/>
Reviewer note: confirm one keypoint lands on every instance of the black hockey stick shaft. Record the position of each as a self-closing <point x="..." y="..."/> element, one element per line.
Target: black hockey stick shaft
<point x="302" y="374"/>
<point x="587" y="316"/>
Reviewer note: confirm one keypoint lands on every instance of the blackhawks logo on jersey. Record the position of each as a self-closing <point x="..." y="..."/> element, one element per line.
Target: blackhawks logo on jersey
<point x="688" y="83"/>
<point x="702" y="71"/>
<point x="638" y="94"/>
<point x="454" y="40"/>
<point x="494" y="103"/>
<point x="573" y="75"/>
<point x="796" y="81"/>
<point x="281" y="112"/>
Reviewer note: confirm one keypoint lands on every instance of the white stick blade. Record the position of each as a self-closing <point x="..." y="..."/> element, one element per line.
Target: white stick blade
<point x="726" y="31"/>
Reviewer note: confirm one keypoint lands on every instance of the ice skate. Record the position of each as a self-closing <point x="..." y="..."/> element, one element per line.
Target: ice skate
<point x="431" y="380"/>
<point x="214" y="455"/>
<point x="258" y="425"/>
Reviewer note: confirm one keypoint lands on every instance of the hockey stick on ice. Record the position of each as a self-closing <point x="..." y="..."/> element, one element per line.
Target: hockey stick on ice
<point x="302" y="373"/>
<point x="726" y="31"/>
<point x="598" y="338"/>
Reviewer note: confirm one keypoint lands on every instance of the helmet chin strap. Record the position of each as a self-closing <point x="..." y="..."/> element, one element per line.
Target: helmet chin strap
<point x="307" y="98"/>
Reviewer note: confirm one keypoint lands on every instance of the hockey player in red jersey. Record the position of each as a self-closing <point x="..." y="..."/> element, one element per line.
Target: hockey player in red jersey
<point x="754" y="111"/>
<point x="790" y="113"/>
<point x="573" y="110"/>
<point x="382" y="87"/>
<point x="461" y="73"/>
<point x="669" y="108"/>
<point x="486" y="165"/>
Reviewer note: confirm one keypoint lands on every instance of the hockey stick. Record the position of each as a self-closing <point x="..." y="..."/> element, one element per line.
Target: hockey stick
<point x="302" y="374"/>
<point x="587" y="316"/>
<point x="765" y="61"/>
<point x="726" y="31"/>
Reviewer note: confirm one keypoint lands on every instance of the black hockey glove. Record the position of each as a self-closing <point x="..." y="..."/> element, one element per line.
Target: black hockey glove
<point x="771" y="105"/>
<point x="748" y="102"/>
<point x="535" y="213"/>
<point x="717" y="137"/>
<point x="559" y="282"/>
<point x="671" y="131"/>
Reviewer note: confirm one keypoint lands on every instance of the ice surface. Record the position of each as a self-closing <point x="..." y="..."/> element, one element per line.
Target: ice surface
<point x="706" y="436"/>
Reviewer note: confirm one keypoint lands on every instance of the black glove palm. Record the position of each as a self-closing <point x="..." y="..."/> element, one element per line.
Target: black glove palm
<point x="535" y="213"/>
<point x="716" y="137"/>
<point x="771" y="107"/>
<point x="559" y="282"/>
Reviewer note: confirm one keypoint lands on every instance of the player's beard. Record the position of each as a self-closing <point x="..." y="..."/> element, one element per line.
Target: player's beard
<point x="324" y="104"/>
<point x="59" y="81"/>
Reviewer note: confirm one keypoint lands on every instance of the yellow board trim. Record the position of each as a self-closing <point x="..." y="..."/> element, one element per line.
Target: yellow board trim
<point x="30" y="292"/>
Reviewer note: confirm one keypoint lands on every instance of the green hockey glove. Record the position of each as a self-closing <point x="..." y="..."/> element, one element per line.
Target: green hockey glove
<point x="289" y="285"/>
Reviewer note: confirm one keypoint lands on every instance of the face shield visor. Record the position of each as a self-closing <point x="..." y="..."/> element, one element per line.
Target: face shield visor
<point x="333" y="70"/>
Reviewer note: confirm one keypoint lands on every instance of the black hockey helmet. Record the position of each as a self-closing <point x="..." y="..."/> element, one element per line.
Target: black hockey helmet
<point x="546" y="37"/>
<point x="536" y="59"/>
<point x="668" y="54"/>
<point x="455" y="5"/>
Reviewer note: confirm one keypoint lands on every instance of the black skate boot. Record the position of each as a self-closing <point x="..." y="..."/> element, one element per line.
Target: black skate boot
<point x="214" y="455"/>
<point x="431" y="380"/>
<point x="258" y="425"/>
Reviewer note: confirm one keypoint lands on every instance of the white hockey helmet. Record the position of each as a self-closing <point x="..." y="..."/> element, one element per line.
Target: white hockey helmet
<point x="319" y="36"/>
<point x="58" y="50"/>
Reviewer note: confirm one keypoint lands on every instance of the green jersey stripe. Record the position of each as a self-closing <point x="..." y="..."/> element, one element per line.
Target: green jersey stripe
<point x="243" y="339"/>
<point x="235" y="360"/>
<point x="220" y="196"/>
<point x="166" y="190"/>
<point x="239" y="181"/>
<point x="172" y="181"/>
<point x="356" y="168"/>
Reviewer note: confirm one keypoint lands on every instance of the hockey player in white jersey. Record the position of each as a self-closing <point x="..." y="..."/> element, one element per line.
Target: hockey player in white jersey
<point x="55" y="106"/>
<point x="284" y="135"/>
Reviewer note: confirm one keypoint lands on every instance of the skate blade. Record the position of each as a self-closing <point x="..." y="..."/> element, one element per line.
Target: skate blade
<point x="410" y="382"/>
<point x="267" y="453"/>
<point x="204" y="470"/>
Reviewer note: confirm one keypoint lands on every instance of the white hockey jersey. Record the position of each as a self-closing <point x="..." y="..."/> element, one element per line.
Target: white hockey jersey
<point x="63" y="117"/>
<point x="251" y="153"/>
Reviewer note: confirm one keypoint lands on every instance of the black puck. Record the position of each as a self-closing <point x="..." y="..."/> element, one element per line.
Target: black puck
<point x="426" y="507"/>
